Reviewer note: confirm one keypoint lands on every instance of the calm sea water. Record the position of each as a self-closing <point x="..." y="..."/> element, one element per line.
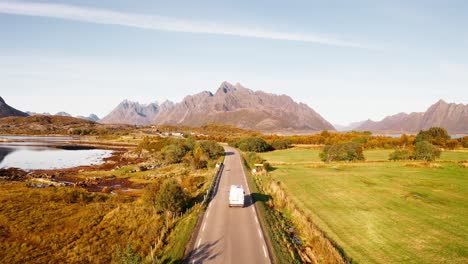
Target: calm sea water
<point x="38" y="153"/>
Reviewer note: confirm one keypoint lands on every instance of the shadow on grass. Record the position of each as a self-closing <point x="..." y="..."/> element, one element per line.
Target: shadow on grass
<point x="256" y="197"/>
<point x="272" y="169"/>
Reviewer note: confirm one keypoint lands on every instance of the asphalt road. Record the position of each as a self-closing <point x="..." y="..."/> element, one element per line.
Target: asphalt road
<point x="230" y="235"/>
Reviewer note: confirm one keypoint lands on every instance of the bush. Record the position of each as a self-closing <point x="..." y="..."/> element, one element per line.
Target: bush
<point x="424" y="150"/>
<point x="452" y="144"/>
<point x="252" y="145"/>
<point x="128" y="256"/>
<point x="170" y="197"/>
<point x="252" y="158"/>
<point x="173" y="153"/>
<point x="464" y="141"/>
<point x="400" y="154"/>
<point x="281" y="144"/>
<point x="150" y="193"/>
<point x="212" y="149"/>
<point x="342" y="152"/>
<point x="203" y="151"/>
<point x="196" y="161"/>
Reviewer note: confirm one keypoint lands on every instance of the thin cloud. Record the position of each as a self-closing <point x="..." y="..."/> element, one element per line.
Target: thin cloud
<point x="154" y="22"/>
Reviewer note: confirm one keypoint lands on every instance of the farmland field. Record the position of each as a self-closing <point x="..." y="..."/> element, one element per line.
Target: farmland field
<point x="386" y="212"/>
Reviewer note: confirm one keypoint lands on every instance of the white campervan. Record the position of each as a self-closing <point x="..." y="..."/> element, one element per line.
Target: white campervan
<point x="236" y="196"/>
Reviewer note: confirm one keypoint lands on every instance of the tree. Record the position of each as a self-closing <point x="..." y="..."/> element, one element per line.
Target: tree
<point x="424" y="150"/>
<point x="170" y="198"/>
<point x="173" y="153"/>
<point x="435" y="135"/>
<point x="210" y="148"/>
<point x="150" y="193"/>
<point x="464" y="141"/>
<point x="452" y="144"/>
<point x="253" y="144"/>
<point x="404" y="140"/>
<point x="349" y="151"/>
<point x="281" y="144"/>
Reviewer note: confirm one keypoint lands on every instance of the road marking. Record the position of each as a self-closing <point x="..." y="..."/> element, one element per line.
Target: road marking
<point x="259" y="233"/>
<point x="208" y="213"/>
<point x="203" y="228"/>
<point x="199" y="242"/>
<point x="256" y="220"/>
<point x="264" y="251"/>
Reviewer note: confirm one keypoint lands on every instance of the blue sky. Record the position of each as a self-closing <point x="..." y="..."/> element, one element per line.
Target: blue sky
<point x="349" y="60"/>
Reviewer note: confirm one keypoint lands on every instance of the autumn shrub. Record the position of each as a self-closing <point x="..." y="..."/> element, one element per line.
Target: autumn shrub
<point x="434" y="135"/>
<point x="350" y="151"/>
<point x="252" y="158"/>
<point x="128" y="256"/>
<point x="170" y="197"/>
<point x="173" y="153"/>
<point x="424" y="150"/>
<point x="211" y="148"/>
<point x="400" y="154"/>
<point x="253" y="144"/>
<point x="278" y="144"/>
<point x="452" y="144"/>
<point x="464" y="141"/>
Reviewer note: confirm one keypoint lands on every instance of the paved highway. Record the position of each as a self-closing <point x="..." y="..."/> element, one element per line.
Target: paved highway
<point x="230" y="235"/>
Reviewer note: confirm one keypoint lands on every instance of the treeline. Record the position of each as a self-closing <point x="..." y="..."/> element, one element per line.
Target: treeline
<point x="435" y="136"/>
<point x="210" y="131"/>
<point x="198" y="154"/>
<point x="257" y="144"/>
<point x="427" y="145"/>
<point x="367" y="140"/>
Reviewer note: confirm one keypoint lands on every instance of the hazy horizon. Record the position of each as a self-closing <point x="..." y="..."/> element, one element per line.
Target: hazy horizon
<point x="363" y="60"/>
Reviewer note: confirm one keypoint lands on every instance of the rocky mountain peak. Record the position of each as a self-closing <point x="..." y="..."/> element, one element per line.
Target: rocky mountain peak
<point x="225" y="87"/>
<point x="6" y="110"/>
<point x="244" y="108"/>
<point x="134" y="113"/>
<point x="451" y="116"/>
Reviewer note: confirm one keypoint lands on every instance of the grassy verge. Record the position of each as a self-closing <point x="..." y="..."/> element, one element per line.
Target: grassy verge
<point x="275" y="226"/>
<point x="177" y="241"/>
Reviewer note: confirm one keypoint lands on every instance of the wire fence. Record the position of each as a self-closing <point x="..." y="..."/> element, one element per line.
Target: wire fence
<point x="214" y="183"/>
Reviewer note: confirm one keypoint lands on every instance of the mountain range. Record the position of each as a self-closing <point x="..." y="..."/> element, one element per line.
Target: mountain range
<point x="91" y="117"/>
<point x="244" y="108"/>
<point x="6" y="110"/>
<point x="230" y="104"/>
<point x="134" y="113"/>
<point x="264" y="112"/>
<point x="451" y="116"/>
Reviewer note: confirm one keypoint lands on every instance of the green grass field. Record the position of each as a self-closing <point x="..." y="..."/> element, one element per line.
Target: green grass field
<point x="297" y="155"/>
<point x="386" y="212"/>
<point x="292" y="155"/>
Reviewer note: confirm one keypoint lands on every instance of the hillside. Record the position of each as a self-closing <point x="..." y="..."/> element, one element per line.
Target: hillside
<point x="244" y="108"/>
<point x="453" y="117"/>
<point x="6" y="110"/>
<point x="40" y="124"/>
